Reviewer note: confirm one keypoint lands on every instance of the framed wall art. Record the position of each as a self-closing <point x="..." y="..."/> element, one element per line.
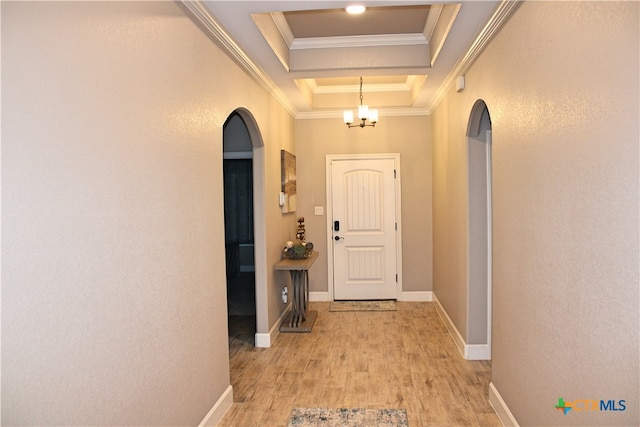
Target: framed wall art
<point x="288" y="175"/>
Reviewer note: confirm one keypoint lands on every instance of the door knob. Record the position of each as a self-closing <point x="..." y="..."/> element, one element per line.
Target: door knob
<point x="338" y="238"/>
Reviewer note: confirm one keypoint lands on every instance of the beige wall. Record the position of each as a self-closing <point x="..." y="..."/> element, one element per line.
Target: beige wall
<point x="409" y="136"/>
<point x="113" y="290"/>
<point x="450" y="207"/>
<point x="561" y="84"/>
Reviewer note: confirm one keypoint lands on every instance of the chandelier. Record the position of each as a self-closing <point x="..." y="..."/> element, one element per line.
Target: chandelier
<point x="364" y="114"/>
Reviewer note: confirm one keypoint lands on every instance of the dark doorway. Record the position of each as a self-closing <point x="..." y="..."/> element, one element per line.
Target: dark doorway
<point x="239" y="229"/>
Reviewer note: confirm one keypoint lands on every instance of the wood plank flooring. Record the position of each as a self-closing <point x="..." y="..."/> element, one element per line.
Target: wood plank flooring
<point x="394" y="359"/>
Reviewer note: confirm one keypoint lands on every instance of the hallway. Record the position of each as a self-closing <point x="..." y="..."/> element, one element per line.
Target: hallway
<point x="396" y="359"/>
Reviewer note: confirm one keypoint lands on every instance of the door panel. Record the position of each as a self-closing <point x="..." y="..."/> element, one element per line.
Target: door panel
<point x="364" y="248"/>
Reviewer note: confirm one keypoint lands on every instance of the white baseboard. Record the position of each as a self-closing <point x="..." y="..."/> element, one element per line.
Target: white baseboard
<point x="417" y="296"/>
<point x="468" y="351"/>
<point x="453" y="331"/>
<point x="319" y="296"/>
<point x="265" y="340"/>
<point x="501" y="408"/>
<point x="477" y="352"/>
<point x="219" y="409"/>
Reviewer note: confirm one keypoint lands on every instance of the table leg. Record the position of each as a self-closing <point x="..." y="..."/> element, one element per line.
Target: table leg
<point x="301" y="319"/>
<point x="294" y="300"/>
<point x="306" y="293"/>
<point x="301" y="284"/>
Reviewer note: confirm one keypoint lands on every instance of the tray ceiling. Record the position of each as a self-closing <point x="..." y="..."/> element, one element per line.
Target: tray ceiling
<point x="313" y="52"/>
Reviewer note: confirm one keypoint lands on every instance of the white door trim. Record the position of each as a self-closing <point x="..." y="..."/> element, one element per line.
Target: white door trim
<point x="329" y="226"/>
<point x="489" y="152"/>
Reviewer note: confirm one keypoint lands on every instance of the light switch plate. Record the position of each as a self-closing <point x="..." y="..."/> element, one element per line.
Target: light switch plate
<point x="318" y="210"/>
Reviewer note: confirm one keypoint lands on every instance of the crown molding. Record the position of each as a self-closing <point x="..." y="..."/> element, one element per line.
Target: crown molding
<point x="392" y="87"/>
<point x="281" y="23"/>
<point x="455" y="8"/>
<point x="359" y="41"/>
<point x="493" y="26"/>
<point x="383" y="112"/>
<point x="432" y="19"/>
<point x="503" y="12"/>
<point x="212" y="28"/>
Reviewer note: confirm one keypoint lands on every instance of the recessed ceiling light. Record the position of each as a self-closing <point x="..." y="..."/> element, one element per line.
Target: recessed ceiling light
<point x="355" y="9"/>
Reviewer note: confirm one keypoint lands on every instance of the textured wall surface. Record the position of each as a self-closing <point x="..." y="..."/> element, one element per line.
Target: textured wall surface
<point x="561" y="85"/>
<point x="113" y="290"/>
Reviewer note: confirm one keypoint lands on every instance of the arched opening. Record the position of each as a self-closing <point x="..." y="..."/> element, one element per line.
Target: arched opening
<point x="479" y="280"/>
<point x="244" y="226"/>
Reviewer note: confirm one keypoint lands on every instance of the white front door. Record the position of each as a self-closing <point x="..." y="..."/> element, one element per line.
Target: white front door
<point x="363" y="195"/>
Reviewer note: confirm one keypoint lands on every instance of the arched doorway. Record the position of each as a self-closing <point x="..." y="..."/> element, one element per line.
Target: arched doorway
<point x="244" y="226"/>
<point x="479" y="280"/>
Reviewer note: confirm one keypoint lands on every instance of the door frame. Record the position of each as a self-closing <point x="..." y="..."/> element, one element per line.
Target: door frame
<point x="480" y="131"/>
<point x="489" y="148"/>
<point x="329" y="199"/>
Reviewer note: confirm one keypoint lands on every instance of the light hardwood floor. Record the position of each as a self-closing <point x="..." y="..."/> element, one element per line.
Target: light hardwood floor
<point x="395" y="359"/>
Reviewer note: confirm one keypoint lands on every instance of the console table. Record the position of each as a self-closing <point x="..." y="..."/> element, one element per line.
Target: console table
<point x="301" y="319"/>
